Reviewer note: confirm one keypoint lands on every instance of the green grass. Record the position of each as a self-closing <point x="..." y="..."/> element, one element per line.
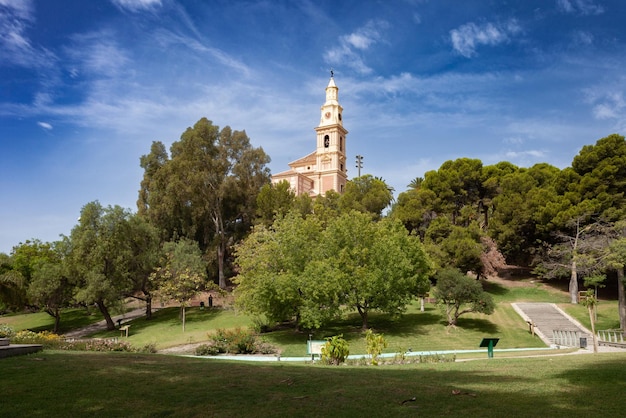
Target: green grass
<point x="607" y="314"/>
<point x="165" y="328"/>
<point x="134" y="385"/>
<point x="41" y="321"/>
<point x="419" y="331"/>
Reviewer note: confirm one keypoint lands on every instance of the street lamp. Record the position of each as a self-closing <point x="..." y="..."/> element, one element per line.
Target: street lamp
<point x="359" y="164"/>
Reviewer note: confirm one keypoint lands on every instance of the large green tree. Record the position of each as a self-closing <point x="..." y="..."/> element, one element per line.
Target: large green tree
<point x="277" y="275"/>
<point x="11" y="285"/>
<point x="366" y="194"/>
<point x="206" y="190"/>
<point x="51" y="288"/>
<point x="145" y="249"/>
<point x="101" y="257"/>
<point x="309" y="270"/>
<point x="379" y="266"/>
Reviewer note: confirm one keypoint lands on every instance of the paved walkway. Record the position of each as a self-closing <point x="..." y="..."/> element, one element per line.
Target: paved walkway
<point x="102" y="325"/>
<point x="547" y="318"/>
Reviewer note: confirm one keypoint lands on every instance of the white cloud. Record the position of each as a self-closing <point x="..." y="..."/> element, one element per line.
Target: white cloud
<point x="347" y="52"/>
<point x="23" y="8"/>
<point x="45" y="125"/>
<point x="469" y="36"/>
<point x="137" y="5"/>
<point x="97" y="54"/>
<point x="608" y="102"/>
<point x="15" y="46"/>
<point x="612" y="106"/>
<point x="579" y="7"/>
<point x="517" y="155"/>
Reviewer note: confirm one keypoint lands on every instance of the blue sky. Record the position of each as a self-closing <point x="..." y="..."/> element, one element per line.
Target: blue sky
<point x="86" y="86"/>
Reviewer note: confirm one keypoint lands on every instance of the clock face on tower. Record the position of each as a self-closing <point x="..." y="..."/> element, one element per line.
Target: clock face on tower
<point x="327" y="115"/>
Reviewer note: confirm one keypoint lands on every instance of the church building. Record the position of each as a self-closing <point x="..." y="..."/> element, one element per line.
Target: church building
<point x="325" y="168"/>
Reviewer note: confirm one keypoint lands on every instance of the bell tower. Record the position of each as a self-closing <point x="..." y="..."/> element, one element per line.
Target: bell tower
<point x="331" y="144"/>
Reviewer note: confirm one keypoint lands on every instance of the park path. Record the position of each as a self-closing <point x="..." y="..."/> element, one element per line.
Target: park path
<point x="102" y="325"/>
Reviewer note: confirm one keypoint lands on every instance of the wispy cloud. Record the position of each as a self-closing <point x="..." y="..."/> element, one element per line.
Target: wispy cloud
<point x="137" y="5"/>
<point x="97" y="54"/>
<point x="351" y="46"/>
<point x="608" y="102"/>
<point x="466" y="38"/>
<point x="15" y="47"/>
<point x="579" y="7"/>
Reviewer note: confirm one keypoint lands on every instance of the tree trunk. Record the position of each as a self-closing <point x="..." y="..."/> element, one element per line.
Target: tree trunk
<point x="57" y="320"/>
<point x="363" y="313"/>
<point x="591" y="308"/>
<point x="148" y="306"/>
<point x="573" y="284"/>
<point x="182" y="308"/>
<point x="221" y="247"/>
<point x="621" y="298"/>
<point x="107" y="316"/>
<point x="220" y="263"/>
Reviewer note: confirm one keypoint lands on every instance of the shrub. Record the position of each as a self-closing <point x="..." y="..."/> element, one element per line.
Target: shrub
<point x="207" y="350"/>
<point x="236" y="341"/>
<point x="335" y="350"/>
<point x="46" y="338"/>
<point x="50" y="340"/>
<point x="375" y="343"/>
<point x="6" y="331"/>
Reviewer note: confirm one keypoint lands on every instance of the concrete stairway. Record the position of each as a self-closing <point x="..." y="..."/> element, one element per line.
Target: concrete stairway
<point x="547" y="317"/>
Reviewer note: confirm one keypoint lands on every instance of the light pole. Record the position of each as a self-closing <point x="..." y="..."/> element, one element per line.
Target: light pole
<point x="359" y="164"/>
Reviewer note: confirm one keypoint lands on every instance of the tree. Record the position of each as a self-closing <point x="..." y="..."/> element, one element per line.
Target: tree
<point x="207" y="190"/>
<point x="277" y="278"/>
<point x="145" y="249"/>
<point x="24" y="259"/>
<point x="615" y="260"/>
<point x="100" y="257"/>
<point x="50" y="288"/>
<point x="301" y="269"/>
<point x="274" y="200"/>
<point x="11" y="285"/>
<point x="378" y="265"/>
<point x="575" y="254"/>
<point x="602" y="171"/>
<point x="366" y="194"/>
<point x="181" y="274"/>
<point x="460" y="294"/>
<point x="415" y="208"/>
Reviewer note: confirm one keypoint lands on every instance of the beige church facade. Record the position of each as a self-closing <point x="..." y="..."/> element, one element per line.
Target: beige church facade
<point x="325" y="168"/>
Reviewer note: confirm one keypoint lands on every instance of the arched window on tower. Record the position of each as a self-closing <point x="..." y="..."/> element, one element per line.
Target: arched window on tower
<point x="341" y="143"/>
<point x="326" y="141"/>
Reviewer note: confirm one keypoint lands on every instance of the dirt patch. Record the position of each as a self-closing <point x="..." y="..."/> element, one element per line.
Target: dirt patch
<point x="181" y="349"/>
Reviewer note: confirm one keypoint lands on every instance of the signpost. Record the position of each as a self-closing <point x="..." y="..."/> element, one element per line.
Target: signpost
<point x="314" y="347"/>
<point x="489" y="343"/>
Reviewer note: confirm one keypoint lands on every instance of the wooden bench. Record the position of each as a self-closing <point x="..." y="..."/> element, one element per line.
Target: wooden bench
<point x="123" y="329"/>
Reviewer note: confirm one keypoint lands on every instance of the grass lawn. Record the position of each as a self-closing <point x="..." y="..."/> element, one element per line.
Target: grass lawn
<point x="41" y="321"/>
<point x="418" y="331"/>
<point x="135" y="385"/>
<point x="607" y="314"/>
<point x="165" y="329"/>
